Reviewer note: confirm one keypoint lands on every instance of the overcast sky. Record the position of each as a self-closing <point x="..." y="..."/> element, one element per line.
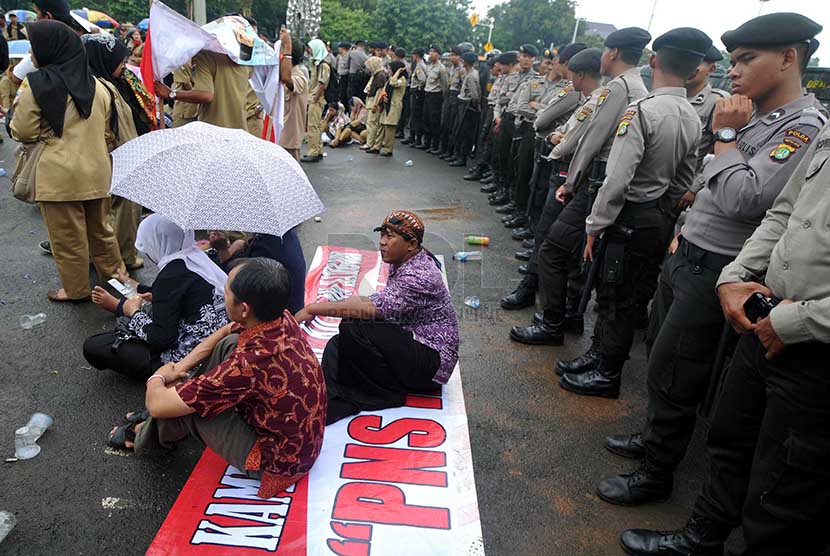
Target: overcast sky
<point x="711" y="16"/>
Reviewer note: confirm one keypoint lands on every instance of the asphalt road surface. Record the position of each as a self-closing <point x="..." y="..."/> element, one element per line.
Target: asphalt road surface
<point x="537" y="450"/>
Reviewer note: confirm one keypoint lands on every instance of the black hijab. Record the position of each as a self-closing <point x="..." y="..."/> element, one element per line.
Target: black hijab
<point x="393" y="68"/>
<point x="62" y="70"/>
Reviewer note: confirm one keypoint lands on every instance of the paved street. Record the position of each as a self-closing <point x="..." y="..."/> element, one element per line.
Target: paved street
<point x="537" y="450"/>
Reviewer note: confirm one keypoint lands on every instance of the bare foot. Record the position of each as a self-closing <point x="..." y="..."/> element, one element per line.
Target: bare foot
<point x="104" y="299"/>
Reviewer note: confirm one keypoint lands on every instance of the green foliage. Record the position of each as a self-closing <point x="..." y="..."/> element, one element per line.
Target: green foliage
<point x="339" y="22"/>
<point x="412" y="23"/>
<point x="540" y="22"/>
<point x="592" y="40"/>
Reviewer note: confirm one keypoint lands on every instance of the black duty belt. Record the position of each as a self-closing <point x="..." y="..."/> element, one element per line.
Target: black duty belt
<point x="703" y="257"/>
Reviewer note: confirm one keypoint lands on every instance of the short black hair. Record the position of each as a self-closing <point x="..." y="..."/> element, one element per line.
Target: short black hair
<point x="631" y="56"/>
<point x="263" y="284"/>
<point x="297" y="51"/>
<point x="678" y="63"/>
<point x="251" y="21"/>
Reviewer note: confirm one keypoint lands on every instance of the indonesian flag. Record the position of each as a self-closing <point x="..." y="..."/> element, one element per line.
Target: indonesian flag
<point x="147" y="74"/>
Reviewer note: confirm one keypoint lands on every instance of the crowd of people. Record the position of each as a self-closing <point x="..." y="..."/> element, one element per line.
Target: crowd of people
<point x="690" y="212"/>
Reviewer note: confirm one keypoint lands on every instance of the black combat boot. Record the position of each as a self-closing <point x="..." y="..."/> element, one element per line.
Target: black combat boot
<point x="521" y="234"/>
<point x="516" y="222"/>
<point x="475" y="174"/>
<point x="529" y="243"/>
<point x="488" y="180"/>
<point x="523" y="255"/>
<point x="626" y="445"/>
<point x="647" y="483"/>
<point x="699" y="537"/>
<point x="524" y="269"/>
<point x="507" y="210"/>
<point x="501" y="198"/>
<point x="523" y="296"/>
<point x="603" y="381"/>
<point x="548" y="333"/>
<point x="588" y="361"/>
<point x="571" y="325"/>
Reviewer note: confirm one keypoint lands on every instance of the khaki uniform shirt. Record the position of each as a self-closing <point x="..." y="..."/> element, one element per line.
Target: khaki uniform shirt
<point x="471" y="88"/>
<point x="395" y="101"/>
<point x="704" y="104"/>
<point x="320" y="75"/>
<point x="418" y="77"/>
<point x="8" y="90"/>
<point x="255" y="114"/>
<point x="575" y="127"/>
<point x="295" y="110"/>
<point x="218" y="74"/>
<point x="790" y="250"/>
<point x="75" y="166"/>
<point x="598" y="138"/>
<point x="456" y="77"/>
<point x="437" y="78"/>
<point x="742" y="183"/>
<point x="655" y="149"/>
<point x="184" y="111"/>
<point x="557" y="109"/>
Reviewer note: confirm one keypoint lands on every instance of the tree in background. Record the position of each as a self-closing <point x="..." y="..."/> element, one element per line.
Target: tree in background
<point x="413" y="23"/>
<point x="345" y="21"/>
<point x="541" y="22"/>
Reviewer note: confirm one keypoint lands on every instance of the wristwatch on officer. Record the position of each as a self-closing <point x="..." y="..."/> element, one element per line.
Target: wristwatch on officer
<point x="726" y="135"/>
<point x="172" y="94"/>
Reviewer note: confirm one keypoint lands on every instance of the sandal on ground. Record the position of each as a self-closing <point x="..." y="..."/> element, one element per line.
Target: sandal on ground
<point x="53" y="295"/>
<point x="136" y="417"/>
<point x="121" y="435"/>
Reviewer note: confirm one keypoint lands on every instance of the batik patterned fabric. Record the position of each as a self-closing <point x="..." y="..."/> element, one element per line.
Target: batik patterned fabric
<point x="416" y="298"/>
<point x="276" y="384"/>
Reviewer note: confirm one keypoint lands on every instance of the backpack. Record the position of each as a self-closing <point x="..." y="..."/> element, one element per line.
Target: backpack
<point x="332" y="93"/>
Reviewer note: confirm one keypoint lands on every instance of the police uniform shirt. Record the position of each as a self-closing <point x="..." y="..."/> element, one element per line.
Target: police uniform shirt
<point x="558" y="109"/>
<point x="612" y="102"/>
<point x="357" y="59"/>
<point x="790" y="250"/>
<point x="532" y="92"/>
<point x="471" y="87"/>
<point x="419" y="76"/>
<point x="522" y="80"/>
<point x="575" y="127"/>
<point x="437" y="79"/>
<point x="704" y="104"/>
<point x="503" y="99"/>
<point x="655" y="148"/>
<point x="343" y="64"/>
<point x="456" y="77"/>
<point x="742" y="183"/>
<point x="495" y="90"/>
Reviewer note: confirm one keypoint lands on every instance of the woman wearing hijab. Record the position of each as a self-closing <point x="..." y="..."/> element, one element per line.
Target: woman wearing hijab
<point x="136" y="46"/>
<point x="187" y="305"/>
<point x="62" y="105"/>
<point x="356" y="129"/>
<point x="107" y="61"/>
<point x="374" y="66"/>
<point x="320" y="75"/>
<point x="391" y="100"/>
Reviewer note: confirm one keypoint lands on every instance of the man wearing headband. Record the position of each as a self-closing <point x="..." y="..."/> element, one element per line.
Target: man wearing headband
<point x="402" y="339"/>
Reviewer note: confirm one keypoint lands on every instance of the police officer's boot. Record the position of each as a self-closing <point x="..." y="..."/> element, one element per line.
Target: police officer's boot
<point x="424" y="144"/>
<point x="574" y="321"/>
<point x="548" y="332"/>
<point x="602" y="381"/>
<point x="572" y="324"/>
<point x="488" y="180"/>
<point x="500" y="198"/>
<point x="460" y="161"/>
<point x="489" y="187"/>
<point x="647" y="483"/>
<point x="523" y="296"/>
<point x="475" y="174"/>
<point x="699" y="537"/>
<point x="521" y="234"/>
<point x="588" y="361"/>
<point x="436" y="146"/>
<point x="626" y="445"/>
<point x="523" y="255"/>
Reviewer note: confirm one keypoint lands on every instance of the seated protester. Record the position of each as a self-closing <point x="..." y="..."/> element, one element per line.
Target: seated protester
<point x="356" y="128"/>
<point x="403" y="339"/>
<point x="187" y="305"/>
<point x="335" y="121"/>
<point x="286" y="250"/>
<point x="260" y="399"/>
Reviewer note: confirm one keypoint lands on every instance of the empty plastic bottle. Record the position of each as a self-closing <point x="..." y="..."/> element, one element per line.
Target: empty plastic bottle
<point x="464" y="256"/>
<point x="27" y="322"/>
<point x="472" y="301"/>
<point x="7" y="523"/>
<point x="408" y="163"/>
<point x="3" y="172"/>
<point x="25" y="438"/>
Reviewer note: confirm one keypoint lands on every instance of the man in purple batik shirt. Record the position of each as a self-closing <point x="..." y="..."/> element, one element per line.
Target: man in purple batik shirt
<point x="403" y="339"/>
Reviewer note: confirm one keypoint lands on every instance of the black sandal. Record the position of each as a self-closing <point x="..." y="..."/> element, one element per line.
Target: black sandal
<point x="136" y="417"/>
<point x="122" y="435"/>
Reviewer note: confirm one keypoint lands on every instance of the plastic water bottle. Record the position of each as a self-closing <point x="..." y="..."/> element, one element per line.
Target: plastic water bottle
<point x="25" y="438"/>
<point x="27" y="322"/>
<point x="3" y="172"/>
<point x="478" y="240"/>
<point x="349" y="158"/>
<point x="472" y="301"/>
<point x="464" y="256"/>
<point x="408" y="164"/>
<point x="7" y="523"/>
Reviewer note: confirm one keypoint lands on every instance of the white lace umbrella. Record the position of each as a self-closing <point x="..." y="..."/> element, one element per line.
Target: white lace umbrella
<point x="205" y="177"/>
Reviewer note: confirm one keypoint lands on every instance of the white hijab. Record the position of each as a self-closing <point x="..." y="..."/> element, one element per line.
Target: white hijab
<point x="164" y="242"/>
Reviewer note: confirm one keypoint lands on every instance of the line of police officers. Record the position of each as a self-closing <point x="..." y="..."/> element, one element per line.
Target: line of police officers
<point x="606" y="174"/>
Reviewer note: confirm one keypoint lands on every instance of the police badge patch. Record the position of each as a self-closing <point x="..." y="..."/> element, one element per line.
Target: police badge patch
<point x="782" y="152"/>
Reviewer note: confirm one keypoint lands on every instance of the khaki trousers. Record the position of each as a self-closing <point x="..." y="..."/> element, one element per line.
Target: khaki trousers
<point x="124" y="218"/>
<point x="255" y="125"/>
<point x="374" y="128"/>
<point x="79" y="230"/>
<point x="315" y="128"/>
<point x="388" y="141"/>
<point x="295" y="153"/>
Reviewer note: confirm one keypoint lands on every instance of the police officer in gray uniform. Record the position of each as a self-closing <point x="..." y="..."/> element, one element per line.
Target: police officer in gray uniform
<point x="483" y="169"/>
<point x="417" y="81"/>
<point x="456" y="74"/>
<point x="561" y="249"/>
<point x="469" y="101"/>
<point x="741" y="183"/>
<point x="434" y="89"/>
<point x="503" y="126"/>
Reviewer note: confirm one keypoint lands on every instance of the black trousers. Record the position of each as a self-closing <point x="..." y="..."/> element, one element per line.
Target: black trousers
<point x="625" y="272"/>
<point x="357" y="82"/>
<point x="560" y="256"/>
<point x="416" y="114"/>
<point x="484" y="143"/>
<point x="407" y="108"/>
<point x="502" y="146"/>
<point x="343" y="91"/>
<point x="374" y="365"/>
<point x="448" y="117"/>
<point x="688" y="319"/>
<point x="769" y="448"/>
<point x="433" y="103"/>
<point x="466" y="136"/>
<point x="132" y="358"/>
<point x="523" y="152"/>
<point x="539" y="181"/>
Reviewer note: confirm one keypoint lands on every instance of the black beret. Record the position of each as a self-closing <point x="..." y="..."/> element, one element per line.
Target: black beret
<point x="529" y="49"/>
<point x="372" y="44"/>
<point x="587" y="60"/>
<point x="400" y="52"/>
<point x="470" y="57"/>
<point x="684" y="39"/>
<point x="566" y="53"/>
<point x="508" y="58"/>
<point x="456" y="50"/>
<point x="358" y="42"/>
<point x="381" y="45"/>
<point x="713" y="55"/>
<point x="632" y="38"/>
<point x="419" y="51"/>
<point x="344" y="44"/>
<point x="772" y="30"/>
<point x="435" y="47"/>
<point x="548" y="54"/>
